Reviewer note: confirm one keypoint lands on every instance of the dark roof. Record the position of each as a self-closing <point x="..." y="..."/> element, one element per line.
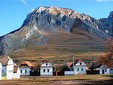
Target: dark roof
<point x="4" y="60"/>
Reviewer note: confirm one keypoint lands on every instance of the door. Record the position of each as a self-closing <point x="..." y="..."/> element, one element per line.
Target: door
<point x="102" y="71"/>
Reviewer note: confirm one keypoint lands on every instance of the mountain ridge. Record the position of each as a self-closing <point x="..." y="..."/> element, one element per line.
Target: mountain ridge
<point x="64" y="24"/>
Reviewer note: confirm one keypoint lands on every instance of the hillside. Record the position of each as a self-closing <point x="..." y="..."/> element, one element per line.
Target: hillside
<point x="55" y="33"/>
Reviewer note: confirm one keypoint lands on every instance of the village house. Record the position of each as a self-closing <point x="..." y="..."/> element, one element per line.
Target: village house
<point x="103" y="69"/>
<point x="80" y="67"/>
<point x="46" y="69"/>
<point x="25" y="68"/>
<point x="7" y="67"/>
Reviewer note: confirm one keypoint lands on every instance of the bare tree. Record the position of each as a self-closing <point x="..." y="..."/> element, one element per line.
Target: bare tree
<point x="107" y="59"/>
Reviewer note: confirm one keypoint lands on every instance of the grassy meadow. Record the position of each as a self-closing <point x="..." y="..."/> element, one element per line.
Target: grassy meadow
<point x="55" y="80"/>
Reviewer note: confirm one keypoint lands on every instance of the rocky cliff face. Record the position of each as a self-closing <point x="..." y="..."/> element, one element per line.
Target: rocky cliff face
<point x="107" y="24"/>
<point x="45" y="22"/>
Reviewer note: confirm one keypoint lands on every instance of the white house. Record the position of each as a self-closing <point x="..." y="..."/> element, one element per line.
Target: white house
<point x="46" y="69"/>
<point x="16" y="72"/>
<point x="105" y="70"/>
<point x="25" y="68"/>
<point x="7" y="67"/>
<point x="80" y="67"/>
<point x="0" y="71"/>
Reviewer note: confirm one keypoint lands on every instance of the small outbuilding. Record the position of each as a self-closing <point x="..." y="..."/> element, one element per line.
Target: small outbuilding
<point x="105" y="70"/>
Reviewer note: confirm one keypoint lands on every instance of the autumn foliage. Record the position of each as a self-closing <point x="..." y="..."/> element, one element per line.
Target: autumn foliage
<point x="107" y="59"/>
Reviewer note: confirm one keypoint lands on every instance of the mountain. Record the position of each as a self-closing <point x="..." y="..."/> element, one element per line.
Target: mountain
<point x="53" y="32"/>
<point x="107" y="24"/>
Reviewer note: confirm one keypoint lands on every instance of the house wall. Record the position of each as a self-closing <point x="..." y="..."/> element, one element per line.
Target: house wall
<point x="46" y="71"/>
<point x="79" y="69"/>
<point x="104" y="71"/>
<point x="67" y="73"/>
<point x="25" y="71"/>
<point x="17" y="75"/>
<point x="10" y="69"/>
<point x="110" y="70"/>
<point x="0" y="71"/>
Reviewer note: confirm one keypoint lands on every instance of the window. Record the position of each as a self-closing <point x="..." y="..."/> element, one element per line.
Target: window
<point x="77" y="69"/>
<point x="105" y="70"/>
<point x="25" y="71"/>
<point x="46" y="64"/>
<point x="43" y="70"/>
<point x="82" y="69"/>
<point x="80" y="63"/>
<point x="21" y="71"/>
<point x="111" y="69"/>
<point x="47" y="70"/>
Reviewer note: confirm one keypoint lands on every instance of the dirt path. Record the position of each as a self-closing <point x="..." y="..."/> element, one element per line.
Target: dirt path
<point x="69" y="82"/>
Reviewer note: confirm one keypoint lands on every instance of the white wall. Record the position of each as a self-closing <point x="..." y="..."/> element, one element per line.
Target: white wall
<point x="17" y="75"/>
<point x="48" y="71"/>
<point x="10" y="69"/>
<point x="111" y="71"/>
<point x="0" y="71"/>
<point x="79" y="69"/>
<point x="67" y="73"/>
<point x="25" y="71"/>
<point x="106" y="70"/>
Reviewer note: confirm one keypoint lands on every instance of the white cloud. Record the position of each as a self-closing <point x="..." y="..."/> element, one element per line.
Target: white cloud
<point x="23" y="1"/>
<point x="104" y="0"/>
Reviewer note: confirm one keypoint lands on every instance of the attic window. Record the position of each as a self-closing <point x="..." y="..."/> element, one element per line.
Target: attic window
<point x="46" y="64"/>
<point x="80" y="63"/>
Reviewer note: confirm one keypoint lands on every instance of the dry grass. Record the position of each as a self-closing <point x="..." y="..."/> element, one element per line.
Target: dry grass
<point x="37" y="80"/>
<point x="62" y="47"/>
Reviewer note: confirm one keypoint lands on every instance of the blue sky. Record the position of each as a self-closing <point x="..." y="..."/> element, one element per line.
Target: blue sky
<point x="13" y="12"/>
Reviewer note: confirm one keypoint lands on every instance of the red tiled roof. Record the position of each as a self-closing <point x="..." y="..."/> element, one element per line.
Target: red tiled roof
<point x="80" y="60"/>
<point x="29" y="64"/>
